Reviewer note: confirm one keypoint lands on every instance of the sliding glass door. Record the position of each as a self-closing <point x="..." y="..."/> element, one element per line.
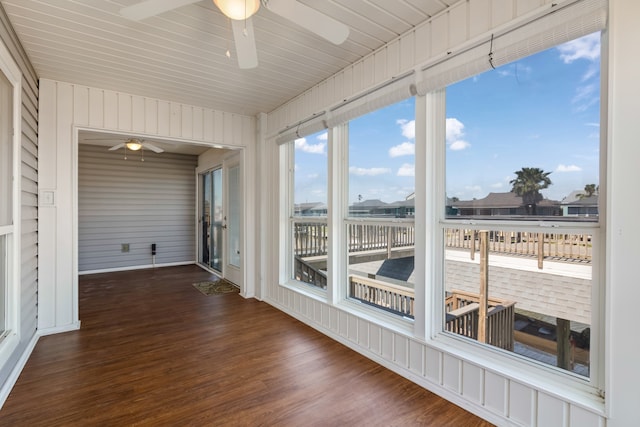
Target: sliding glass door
<point x="212" y="220"/>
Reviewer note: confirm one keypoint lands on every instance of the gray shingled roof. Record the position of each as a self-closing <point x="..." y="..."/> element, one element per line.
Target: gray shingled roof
<point x="498" y="200"/>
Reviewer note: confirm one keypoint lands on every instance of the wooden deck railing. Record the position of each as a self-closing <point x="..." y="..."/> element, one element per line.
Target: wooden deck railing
<point x="366" y="237"/>
<point x="390" y="297"/>
<point x="576" y="247"/>
<point x="309" y="274"/>
<point x="461" y="317"/>
<point x="310" y="239"/>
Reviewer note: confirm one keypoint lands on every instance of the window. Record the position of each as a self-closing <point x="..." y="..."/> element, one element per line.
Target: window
<point x="521" y="232"/>
<point x="380" y="226"/>
<point x="6" y="194"/>
<point x="309" y="219"/>
<point x="9" y="204"/>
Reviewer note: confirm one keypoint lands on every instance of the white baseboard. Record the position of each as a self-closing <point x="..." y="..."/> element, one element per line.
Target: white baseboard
<point x="17" y="370"/>
<point x="59" y="329"/>
<point x="136" y="267"/>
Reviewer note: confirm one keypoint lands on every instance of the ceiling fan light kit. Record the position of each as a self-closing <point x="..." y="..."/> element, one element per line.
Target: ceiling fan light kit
<point x="240" y="12"/>
<point x="238" y="9"/>
<point x="133" y="144"/>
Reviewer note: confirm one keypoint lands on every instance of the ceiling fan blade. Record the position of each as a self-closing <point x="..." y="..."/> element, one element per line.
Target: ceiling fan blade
<point x="115" y="147"/>
<point x="316" y="22"/>
<point x="245" y="43"/>
<point x="149" y="8"/>
<point x="152" y="147"/>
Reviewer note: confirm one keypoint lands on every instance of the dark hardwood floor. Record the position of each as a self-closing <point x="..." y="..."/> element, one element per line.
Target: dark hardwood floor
<point x="153" y="350"/>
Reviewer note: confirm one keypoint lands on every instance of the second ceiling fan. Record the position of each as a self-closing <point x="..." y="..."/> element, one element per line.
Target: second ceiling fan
<point x="240" y="12"/>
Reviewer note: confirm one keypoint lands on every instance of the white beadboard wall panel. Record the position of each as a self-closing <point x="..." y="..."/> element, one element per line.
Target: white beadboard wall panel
<point x="502" y="12"/>
<point x="526" y="6"/>
<point x="427" y="42"/>
<point x="343" y="323"/>
<point x="363" y="333"/>
<point x="473" y="382"/>
<point x="551" y="411"/>
<point x="416" y="357"/>
<point x="495" y="392"/>
<point x="353" y="328"/>
<point x="387" y="344"/>
<point x="401" y="350"/>
<point x="433" y="365"/>
<point x="579" y="417"/>
<point x="326" y="316"/>
<point x="375" y="333"/>
<point x="458" y="25"/>
<point x="522" y="403"/>
<point x="451" y="372"/>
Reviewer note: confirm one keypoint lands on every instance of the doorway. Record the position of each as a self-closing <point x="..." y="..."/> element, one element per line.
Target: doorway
<point x="220" y="220"/>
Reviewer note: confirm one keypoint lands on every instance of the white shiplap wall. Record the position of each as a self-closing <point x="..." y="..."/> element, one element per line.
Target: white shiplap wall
<point x="65" y="109"/>
<point x="495" y="394"/>
<point x="28" y="287"/>
<point x="136" y="203"/>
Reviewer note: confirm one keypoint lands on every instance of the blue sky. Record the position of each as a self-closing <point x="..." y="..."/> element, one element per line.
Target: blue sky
<point x="541" y="111"/>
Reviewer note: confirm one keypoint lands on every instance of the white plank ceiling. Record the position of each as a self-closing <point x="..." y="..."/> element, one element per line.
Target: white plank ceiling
<point x="180" y="55"/>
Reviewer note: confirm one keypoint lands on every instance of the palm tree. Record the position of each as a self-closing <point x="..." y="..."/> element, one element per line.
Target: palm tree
<point x="528" y="183"/>
<point x="589" y="190"/>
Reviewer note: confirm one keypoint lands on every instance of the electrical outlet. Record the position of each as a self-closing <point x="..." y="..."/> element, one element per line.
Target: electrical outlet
<point x="125" y="247"/>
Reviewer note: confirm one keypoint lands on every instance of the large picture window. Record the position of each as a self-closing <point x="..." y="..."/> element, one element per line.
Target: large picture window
<point x="309" y="219"/>
<point x="381" y="208"/>
<point x="521" y="234"/>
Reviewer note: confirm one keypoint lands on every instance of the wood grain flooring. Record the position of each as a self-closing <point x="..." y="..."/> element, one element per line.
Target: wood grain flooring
<point x="154" y="351"/>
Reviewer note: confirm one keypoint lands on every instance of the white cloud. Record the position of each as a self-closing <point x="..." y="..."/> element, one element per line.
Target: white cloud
<point x="454" y="134"/>
<point x="323" y="136"/>
<point x="568" y="168"/>
<point x="587" y="47"/>
<point x="408" y="128"/>
<point x="302" y="145"/>
<point x="497" y="185"/>
<point x="459" y="145"/>
<point x="585" y="97"/>
<point x="368" y="171"/>
<point x="404" y="149"/>
<point x="313" y="176"/>
<point x="407" y="170"/>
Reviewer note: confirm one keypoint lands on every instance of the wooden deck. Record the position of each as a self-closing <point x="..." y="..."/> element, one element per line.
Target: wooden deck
<point x="154" y="351"/>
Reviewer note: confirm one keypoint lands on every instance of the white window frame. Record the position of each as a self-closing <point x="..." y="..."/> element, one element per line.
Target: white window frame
<point x="586" y="390"/>
<point x="11" y="337"/>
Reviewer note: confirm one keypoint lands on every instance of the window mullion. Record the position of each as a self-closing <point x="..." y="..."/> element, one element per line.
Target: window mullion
<point x="337" y="207"/>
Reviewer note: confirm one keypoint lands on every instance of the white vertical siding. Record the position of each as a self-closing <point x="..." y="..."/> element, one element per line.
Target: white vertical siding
<point x="29" y="204"/>
<point x="65" y="109"/>
<point x="137" y="203"/>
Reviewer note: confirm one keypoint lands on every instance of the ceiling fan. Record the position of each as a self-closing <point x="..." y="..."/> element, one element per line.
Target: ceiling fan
<point x="135" y="144"/>
<point x="240" y="12"/>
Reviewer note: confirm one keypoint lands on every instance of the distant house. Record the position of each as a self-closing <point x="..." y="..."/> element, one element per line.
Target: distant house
<point x="310" y="209"/>
<point x="575" y="204"/>
<point x="495" y="204"/>
<point x="378" y="208"/>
